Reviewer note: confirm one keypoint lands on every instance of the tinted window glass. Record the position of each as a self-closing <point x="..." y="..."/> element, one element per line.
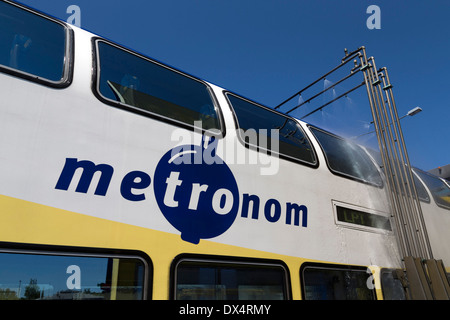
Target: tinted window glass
<point x="61" y="277"/>
<point x="362" y="218"/>
<point x="32" y="44"/>
<point x="391" y="286"/>
<point x="334" y="283"/>
<point x="151" y="88"/>
<point x="252" y="118"/>
<point x="347" y="158"/>
<point x="197" y="280"/>
<point x="421" y="191"/>
<point x="438" y="188"/>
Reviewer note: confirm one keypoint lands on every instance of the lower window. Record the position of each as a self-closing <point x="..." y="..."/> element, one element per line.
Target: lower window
<point x="196" y="279"/>
<point x="61" y="276"/>
<point x="334" y="282"/>
<point x="391" y="285"/>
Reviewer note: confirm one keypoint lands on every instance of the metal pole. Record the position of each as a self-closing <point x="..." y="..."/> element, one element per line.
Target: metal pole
<point x="427" y="246"/>
<point x="330" y="87"/>
<point x="365" y="66"/>
<point x="329" y="102"/>
<point x="395" y="158"/>
<point x="344" y="61"/>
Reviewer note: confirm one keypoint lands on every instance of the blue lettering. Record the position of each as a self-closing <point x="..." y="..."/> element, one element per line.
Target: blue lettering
<point x="268" y="210"/>
<point x="274" y="206"/>
<point x="209" y="193"/>
<point x="201" y="200"/>
<point x="89" y="169"/>
<point x="297" y="209"/>
<point x="134" y="180"/>
<point x="245" y="205"/>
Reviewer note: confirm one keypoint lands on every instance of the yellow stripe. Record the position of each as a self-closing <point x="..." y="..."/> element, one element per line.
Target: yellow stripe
<point x="114" y="277"/>
<point x="27" y="222"/>
<point x="32" y="223"/>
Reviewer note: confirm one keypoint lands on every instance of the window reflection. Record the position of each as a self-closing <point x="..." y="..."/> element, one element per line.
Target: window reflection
<point x="347" y="158"/>
<point x="31" y="43"/>
<point x="438" y="188"/>
<point x="62" y="277"/>
<point x="421" y="191"/>
<point x="147" y="86"/>
<point x="336" y="283"/>
<point x="254" y="118"/>
<point x="198" y="280"/>
<point x="391" y="285"/>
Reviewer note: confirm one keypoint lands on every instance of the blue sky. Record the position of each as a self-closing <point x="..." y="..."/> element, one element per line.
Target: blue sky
<point x="267" y="50"/>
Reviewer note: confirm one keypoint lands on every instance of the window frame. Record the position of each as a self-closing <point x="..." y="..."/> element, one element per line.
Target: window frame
<point x="418" y="173"/>
<point x="343" y="174"/>
<point x="384" y="288"/>
<point x="73" y="251"/>
<point x="67" y="78"/>
<point x="418" y="183"/>
<point x="422" y="186"/>
<point x="218" y="260"/>
<point x="256" y="147"/>
<point x="95" y="87"/>
<point x="327" y="266"/>
<point x="363" y="210"/>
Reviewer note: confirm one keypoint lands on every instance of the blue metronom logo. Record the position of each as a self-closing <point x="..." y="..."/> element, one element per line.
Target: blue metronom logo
<point x="194" y="188"/>
<point x="201" y="200"/>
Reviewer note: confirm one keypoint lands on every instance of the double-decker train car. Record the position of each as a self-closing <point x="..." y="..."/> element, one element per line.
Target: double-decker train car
<point x="124" y="178"/>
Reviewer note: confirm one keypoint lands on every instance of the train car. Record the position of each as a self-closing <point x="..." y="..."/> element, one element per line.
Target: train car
<point x="124" y="178"/>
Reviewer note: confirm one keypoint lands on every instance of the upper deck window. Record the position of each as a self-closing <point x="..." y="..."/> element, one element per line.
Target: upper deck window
<point x="141" y="85"/>
<point x="438" y="188"/>
<point x="292" y="141"/>
<point x="347" y="158"/>
<point x="420" y="188"/>
<point x="33" y="46"/>
<point x="422" y="193"/>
